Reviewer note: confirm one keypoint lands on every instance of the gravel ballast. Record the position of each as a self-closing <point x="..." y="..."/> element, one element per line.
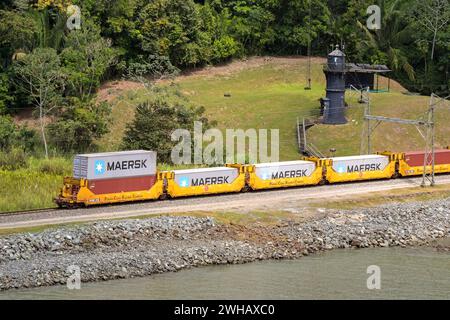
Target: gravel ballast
<point x="132" y="248"/>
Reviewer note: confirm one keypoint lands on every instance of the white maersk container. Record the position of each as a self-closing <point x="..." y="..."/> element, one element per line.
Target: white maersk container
<point x="97" y="166"/>
<point x="287" y="169"/>
<point x="352" y="164"/>
<point x="205" y="176"/>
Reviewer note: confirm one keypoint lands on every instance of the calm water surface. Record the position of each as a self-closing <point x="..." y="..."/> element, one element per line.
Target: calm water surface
<point x="405" y="274"/>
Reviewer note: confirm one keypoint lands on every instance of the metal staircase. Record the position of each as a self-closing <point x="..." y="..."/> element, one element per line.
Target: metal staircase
<point x="306" y="148"/>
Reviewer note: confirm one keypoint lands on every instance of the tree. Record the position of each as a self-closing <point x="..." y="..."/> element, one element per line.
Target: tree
<point x="39" y="75"/>
<point x="17" y="33"/>
<point x="79" y="126"/>
<point x="434" y="15"/>
<point x="5" y="97"/>
<point x="294" y="24"/>
<point x="154" y="123"/>
<point x="393" y="39"/>
<point x="12" y="135"/>
<point x="7" y="130"/>
<point x="173" y="28"/>
<point x="86" y="58"/>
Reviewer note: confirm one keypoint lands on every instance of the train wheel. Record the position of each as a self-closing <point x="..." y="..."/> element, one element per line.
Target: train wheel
<point x="164" y="196"/>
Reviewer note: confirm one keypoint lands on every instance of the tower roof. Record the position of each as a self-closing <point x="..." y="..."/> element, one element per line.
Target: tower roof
<point x="337" y="52"/>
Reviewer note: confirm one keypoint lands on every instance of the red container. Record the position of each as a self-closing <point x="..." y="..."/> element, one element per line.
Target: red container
<point x="415" y="159"/>
<point x="129" y="184"/>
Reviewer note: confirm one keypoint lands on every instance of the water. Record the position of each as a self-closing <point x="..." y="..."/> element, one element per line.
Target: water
<point x="341" y="274"/>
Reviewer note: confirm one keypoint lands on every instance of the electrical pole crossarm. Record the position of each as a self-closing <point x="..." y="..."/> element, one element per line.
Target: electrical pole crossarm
<point x="396" y="120"/>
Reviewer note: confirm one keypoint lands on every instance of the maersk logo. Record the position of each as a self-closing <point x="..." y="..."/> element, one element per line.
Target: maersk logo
<point x="341" y="169"/>
<point x="364" y="167"/>
<point x="359" y="168"/>
<point x="100" y="167"/>
<point x="210" y="181"/>
<point x="184" y="182"/>
<point x="289" y="174"/>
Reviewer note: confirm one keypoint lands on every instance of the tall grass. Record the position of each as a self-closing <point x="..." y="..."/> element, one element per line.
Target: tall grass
<point x="33" y="184"/>
<point x="26" y="189"/>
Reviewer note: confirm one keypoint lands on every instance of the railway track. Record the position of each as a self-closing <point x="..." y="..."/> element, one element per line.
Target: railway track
<point x="278" y="199"/>
<point x="28" y="212"/>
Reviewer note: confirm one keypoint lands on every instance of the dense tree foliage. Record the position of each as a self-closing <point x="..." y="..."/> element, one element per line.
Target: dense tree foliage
<point x="154" y="123"/>
<point x="79" y="125"/>
<point x="152" y="37"/>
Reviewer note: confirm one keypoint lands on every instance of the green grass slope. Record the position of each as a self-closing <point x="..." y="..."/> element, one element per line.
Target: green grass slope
<point x="268" y="93"/>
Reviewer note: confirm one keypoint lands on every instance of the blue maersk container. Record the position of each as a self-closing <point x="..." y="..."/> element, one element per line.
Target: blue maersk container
<point x="334" y="110"/>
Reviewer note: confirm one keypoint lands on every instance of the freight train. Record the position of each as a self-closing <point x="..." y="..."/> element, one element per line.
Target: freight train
<point x="105" y="178"/>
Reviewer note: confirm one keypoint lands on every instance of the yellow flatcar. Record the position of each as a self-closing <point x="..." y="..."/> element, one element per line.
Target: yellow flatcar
<point x="356" y="168"/>
<point x="203" y="181"/>
<point x="83" y="192"/>
<point x="284" y="174"/>
<point x="412" y="163"/>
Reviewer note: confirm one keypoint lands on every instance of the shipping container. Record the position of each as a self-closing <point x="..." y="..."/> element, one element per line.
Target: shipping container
<point x="416" y="159"/>
<point x="117" y="185"/>
<point x="411" y="164"/>
<point x="354" y="168"/>
<point x="205" y="181"/>
<point x="98" y="166"/>
<point x="284" y="174"/>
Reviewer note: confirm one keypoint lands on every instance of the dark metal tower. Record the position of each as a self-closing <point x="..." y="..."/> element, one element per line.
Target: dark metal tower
<point x="334" y="104"/>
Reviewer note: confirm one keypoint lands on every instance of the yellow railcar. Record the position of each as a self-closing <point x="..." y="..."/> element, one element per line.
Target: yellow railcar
<point x="204" y="181"/>
<point x="80" y="192"/>
<point x="357" y="168"/>
<point x="284" y="174"/>
<point x="412" y="163"/>
<point x="406" y="170"/>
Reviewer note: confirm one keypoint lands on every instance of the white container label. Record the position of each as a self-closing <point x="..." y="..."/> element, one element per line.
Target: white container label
<point x="285" y="171"/>
<point x="360" y="165"/>
<point x="187" y="179"/>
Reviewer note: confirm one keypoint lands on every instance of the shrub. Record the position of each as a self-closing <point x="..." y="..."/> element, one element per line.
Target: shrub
<point x="7" y="131"/>
<point x="151" y="65"/>
<point x="13" y="160"/>
<point x="55" y="166"/>
<point x="79" y="127"/>
<point x="26" y="139"/>
<point x="224" y="48"/>
<point x="154" y="123"/>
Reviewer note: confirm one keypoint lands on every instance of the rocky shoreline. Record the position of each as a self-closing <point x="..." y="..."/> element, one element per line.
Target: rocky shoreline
<point x="134" y="248"/>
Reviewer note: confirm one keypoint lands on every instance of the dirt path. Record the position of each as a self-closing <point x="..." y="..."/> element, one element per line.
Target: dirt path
<point x="293" y="200"/>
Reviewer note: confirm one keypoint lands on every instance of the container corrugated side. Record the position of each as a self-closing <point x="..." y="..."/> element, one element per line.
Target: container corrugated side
<point x="205" y="176"/>
<point x="360" y="163"/>
<point x="114" y="165"/>
<point x="118" y="185"/>
<point x="282" y="170"/>
<point x="416" y="159"/>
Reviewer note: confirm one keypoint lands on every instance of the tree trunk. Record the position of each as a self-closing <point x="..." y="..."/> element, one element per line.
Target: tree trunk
<point x="434" y="44"/>
<point x="41" y="118"/>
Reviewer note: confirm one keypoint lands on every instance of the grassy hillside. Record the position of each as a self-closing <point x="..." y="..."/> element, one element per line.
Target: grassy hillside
<point x="266" y="93"/>
<point x="269" y="93"/>
<point x="346" y="139"/>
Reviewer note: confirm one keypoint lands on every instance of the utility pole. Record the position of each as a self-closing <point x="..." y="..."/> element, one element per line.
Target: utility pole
<point x="364" y="97"/>
<point x="429" y="136"/>
<point x="429" y="159"/>
<point x="308" y="73"/>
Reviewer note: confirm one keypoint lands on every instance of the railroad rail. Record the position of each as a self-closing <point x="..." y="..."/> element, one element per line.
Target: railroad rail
<point x="214" y="203"/>
<point x="26" y="212"/>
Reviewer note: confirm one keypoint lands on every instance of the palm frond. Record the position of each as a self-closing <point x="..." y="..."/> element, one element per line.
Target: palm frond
<point x="370" y="37"/>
